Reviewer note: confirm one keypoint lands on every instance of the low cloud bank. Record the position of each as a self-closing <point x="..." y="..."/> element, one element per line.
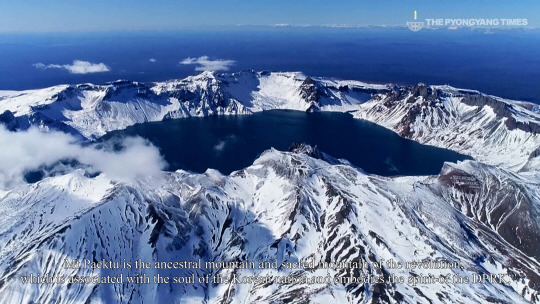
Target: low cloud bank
<point x="30" y="150"/>
<point x="77" y="67"/>
<point x="204" y="63"/>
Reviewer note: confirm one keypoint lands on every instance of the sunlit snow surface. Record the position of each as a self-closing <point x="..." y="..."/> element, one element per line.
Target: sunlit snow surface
<point x="286" y="205"/>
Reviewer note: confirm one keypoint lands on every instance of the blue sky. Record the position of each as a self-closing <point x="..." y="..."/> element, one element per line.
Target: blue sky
<point x="130" y="15"/>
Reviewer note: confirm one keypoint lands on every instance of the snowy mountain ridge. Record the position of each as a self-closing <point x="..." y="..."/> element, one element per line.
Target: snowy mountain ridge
<point x="291" y="206"/>
<point x="287" y="205"/>
<point x="93" y="110"/>
<point x="491" y="129"/>
<point x="486" y="127"/>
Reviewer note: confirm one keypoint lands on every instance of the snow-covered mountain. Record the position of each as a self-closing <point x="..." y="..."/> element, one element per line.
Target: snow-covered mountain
<point x="93" y="110"/>
<point x="291" y="206"/>
<point x="491" y="129"/>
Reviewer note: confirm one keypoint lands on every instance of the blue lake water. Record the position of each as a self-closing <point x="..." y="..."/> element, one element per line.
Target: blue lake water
<point x="505" y="63"/>
<point x="229" y="143"/>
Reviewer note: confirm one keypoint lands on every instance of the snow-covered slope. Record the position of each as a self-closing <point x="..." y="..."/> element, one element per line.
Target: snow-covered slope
<point x="493" y="130"/>
<point x="93" y="110"/>
<point x="287" y="206"/>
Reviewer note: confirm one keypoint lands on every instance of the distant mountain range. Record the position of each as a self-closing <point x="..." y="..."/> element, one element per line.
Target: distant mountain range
<point x="289" y="205"/>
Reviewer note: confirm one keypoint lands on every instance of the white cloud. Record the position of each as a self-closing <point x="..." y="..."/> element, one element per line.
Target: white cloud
<point x="77" y="67"/>
<point x="30" y="150"/>
<point x="152" y="60"/>
<point x="205" y="64"/>
<point x="222" y="144"/>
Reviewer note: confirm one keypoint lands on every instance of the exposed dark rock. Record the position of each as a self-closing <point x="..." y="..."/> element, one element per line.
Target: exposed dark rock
<point x="310" y="92"/>
<point x="501" y="109"/>
<point x="535" y="153"/>
<point x="306" y="149"/>
<point x="496" y="201"/>
<point x="9" y="121"/>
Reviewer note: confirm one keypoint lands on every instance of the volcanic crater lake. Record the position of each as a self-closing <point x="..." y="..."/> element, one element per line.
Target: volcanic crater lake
<point x="229" y="143"/>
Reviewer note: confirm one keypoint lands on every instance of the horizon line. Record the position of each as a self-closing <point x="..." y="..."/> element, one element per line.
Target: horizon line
<point x="225" y="27"/>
